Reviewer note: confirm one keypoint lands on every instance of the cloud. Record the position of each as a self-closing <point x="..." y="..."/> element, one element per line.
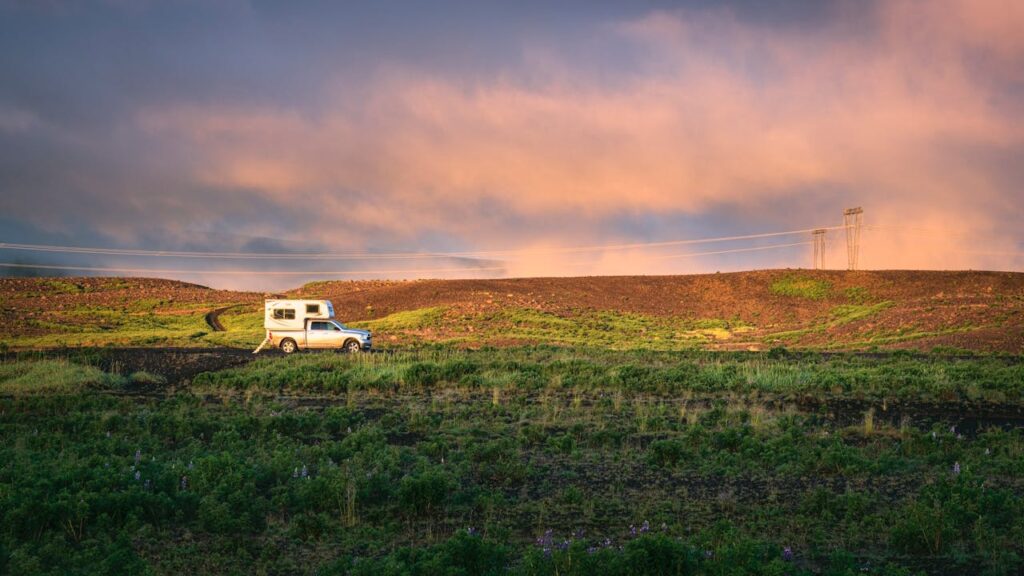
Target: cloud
<point x="911" y="109"/>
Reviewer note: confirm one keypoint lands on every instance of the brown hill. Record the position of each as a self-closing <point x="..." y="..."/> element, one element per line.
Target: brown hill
<point x="920" y="309"/>
<point x="758" y="309"/>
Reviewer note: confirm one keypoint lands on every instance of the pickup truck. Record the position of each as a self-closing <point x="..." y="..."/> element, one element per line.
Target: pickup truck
<point x="321" y="334"/>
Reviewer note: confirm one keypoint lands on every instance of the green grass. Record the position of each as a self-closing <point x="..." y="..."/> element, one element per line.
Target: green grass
<point x="145" y="323"/>
<point x="52" y="377"/>
<point x="909" y="334"/>
<point x="558" y="370"/>
<point x="406" y="321"/>
<point x="243" y="328"/>
<point x="837" y="316"/>
<point x="616" y="330"/>
<point x="801" y="287"/>
<point x="858" y="294"/>
<point x="110" y="327"/>
<point x="526" y="461"/>
<point x="64" y="287"/>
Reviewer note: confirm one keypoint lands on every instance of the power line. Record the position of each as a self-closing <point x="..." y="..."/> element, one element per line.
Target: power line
<point x="249" y="272"/>
<point x="911" y="229"/>
<point x="350" y="272"/>
<point x="363" y="255"/>
<point x="934" y="233"/>
<point x="991" y="252"/>
<point x="733" y="251"/>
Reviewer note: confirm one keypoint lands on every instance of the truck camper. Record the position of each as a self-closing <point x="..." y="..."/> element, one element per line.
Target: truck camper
<point x="294" y="325"/>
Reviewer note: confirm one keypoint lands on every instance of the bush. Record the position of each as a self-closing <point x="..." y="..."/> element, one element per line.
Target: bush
<point x="423" y="374"/>
<point x="423" y="495"/>
<point x="636" y="378"/>
<point x="665" y="453"/>
<point x="461" y="555"/>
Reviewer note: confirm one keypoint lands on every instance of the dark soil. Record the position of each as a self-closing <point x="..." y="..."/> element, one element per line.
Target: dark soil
<point x="175" y="365"/>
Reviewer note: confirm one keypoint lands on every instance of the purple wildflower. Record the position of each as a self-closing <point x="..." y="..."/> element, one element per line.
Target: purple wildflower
<point x="645" y="527"/>
<point x="472" y="531"/>
<point x="184" y="482"/>
<point x="632" y="530"/>
<point x="787" y="554"/>
<point x="295" y="473"/>
<point x="147" y="484"/>
<point x="546" y="541"/>
<point x="138" y="456"/>
<point x="709" y="554"/>
<point x="956" y="467"/>
<point x="305" y="471"/>
<point x="138" y="475"/>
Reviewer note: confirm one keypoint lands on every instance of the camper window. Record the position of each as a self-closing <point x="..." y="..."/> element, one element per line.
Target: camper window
<point x="312" y="308"/>
<point x="284" y="314"/>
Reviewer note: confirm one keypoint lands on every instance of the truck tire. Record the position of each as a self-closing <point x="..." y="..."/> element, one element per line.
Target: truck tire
<point x="352" y="346"/>
<point x="288" y="346"/>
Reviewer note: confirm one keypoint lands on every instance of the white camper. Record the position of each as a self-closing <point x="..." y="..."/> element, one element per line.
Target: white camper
<point x="299" y="324"/>
<point x="292" y="314"/>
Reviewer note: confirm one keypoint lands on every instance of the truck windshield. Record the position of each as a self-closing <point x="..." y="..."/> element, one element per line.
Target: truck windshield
<point x="338" y="325"/>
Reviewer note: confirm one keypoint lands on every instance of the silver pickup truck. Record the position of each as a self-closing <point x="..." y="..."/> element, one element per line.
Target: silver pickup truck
<point x="321" y="334"/>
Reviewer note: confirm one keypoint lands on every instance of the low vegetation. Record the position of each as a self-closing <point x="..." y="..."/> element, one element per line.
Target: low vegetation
<point x="533" y="461"/>
<point x="801" y="287"/>
<point x="807" y="309"/>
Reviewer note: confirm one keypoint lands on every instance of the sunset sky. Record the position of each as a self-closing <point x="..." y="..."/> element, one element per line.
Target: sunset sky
<point x="511" y="134"/>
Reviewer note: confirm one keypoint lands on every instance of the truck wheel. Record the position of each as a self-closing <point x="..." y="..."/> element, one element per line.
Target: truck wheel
<point x="288" y="346"/>
<point x="352" y="346"/>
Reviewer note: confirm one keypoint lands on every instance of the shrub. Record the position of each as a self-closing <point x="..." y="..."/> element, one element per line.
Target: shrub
<point x="636" y="378"/>
<point x="424" y="374"/>
<point x="424" y="494"/>
<point x="665" y="453"/>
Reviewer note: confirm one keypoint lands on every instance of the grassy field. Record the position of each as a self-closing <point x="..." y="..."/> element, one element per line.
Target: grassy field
<point x="530" y="460"/>
<point x="434" y="325"/>
<point x="711" y="425"/>
<point x="757" y="310"/>
<point x="614" y="330"/>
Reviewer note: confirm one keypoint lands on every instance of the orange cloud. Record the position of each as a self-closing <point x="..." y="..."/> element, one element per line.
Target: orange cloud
<point x="729" y="114"/>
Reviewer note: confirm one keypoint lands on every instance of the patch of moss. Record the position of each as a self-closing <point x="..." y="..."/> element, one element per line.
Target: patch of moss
<point x="801" y="287"/>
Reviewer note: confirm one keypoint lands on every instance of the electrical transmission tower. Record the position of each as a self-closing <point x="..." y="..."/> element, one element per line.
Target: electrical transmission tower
<point x="852" y="219"/>
<point x="819" y="248"/>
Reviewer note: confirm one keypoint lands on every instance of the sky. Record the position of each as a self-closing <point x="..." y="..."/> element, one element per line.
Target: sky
<point x="507" y="139"/>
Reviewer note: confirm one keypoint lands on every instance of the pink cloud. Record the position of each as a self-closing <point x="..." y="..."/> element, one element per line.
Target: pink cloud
<point x="729" y="114"/>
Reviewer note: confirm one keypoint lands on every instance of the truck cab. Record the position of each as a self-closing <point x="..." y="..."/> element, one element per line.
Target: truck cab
<point x="294" y="325"/>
